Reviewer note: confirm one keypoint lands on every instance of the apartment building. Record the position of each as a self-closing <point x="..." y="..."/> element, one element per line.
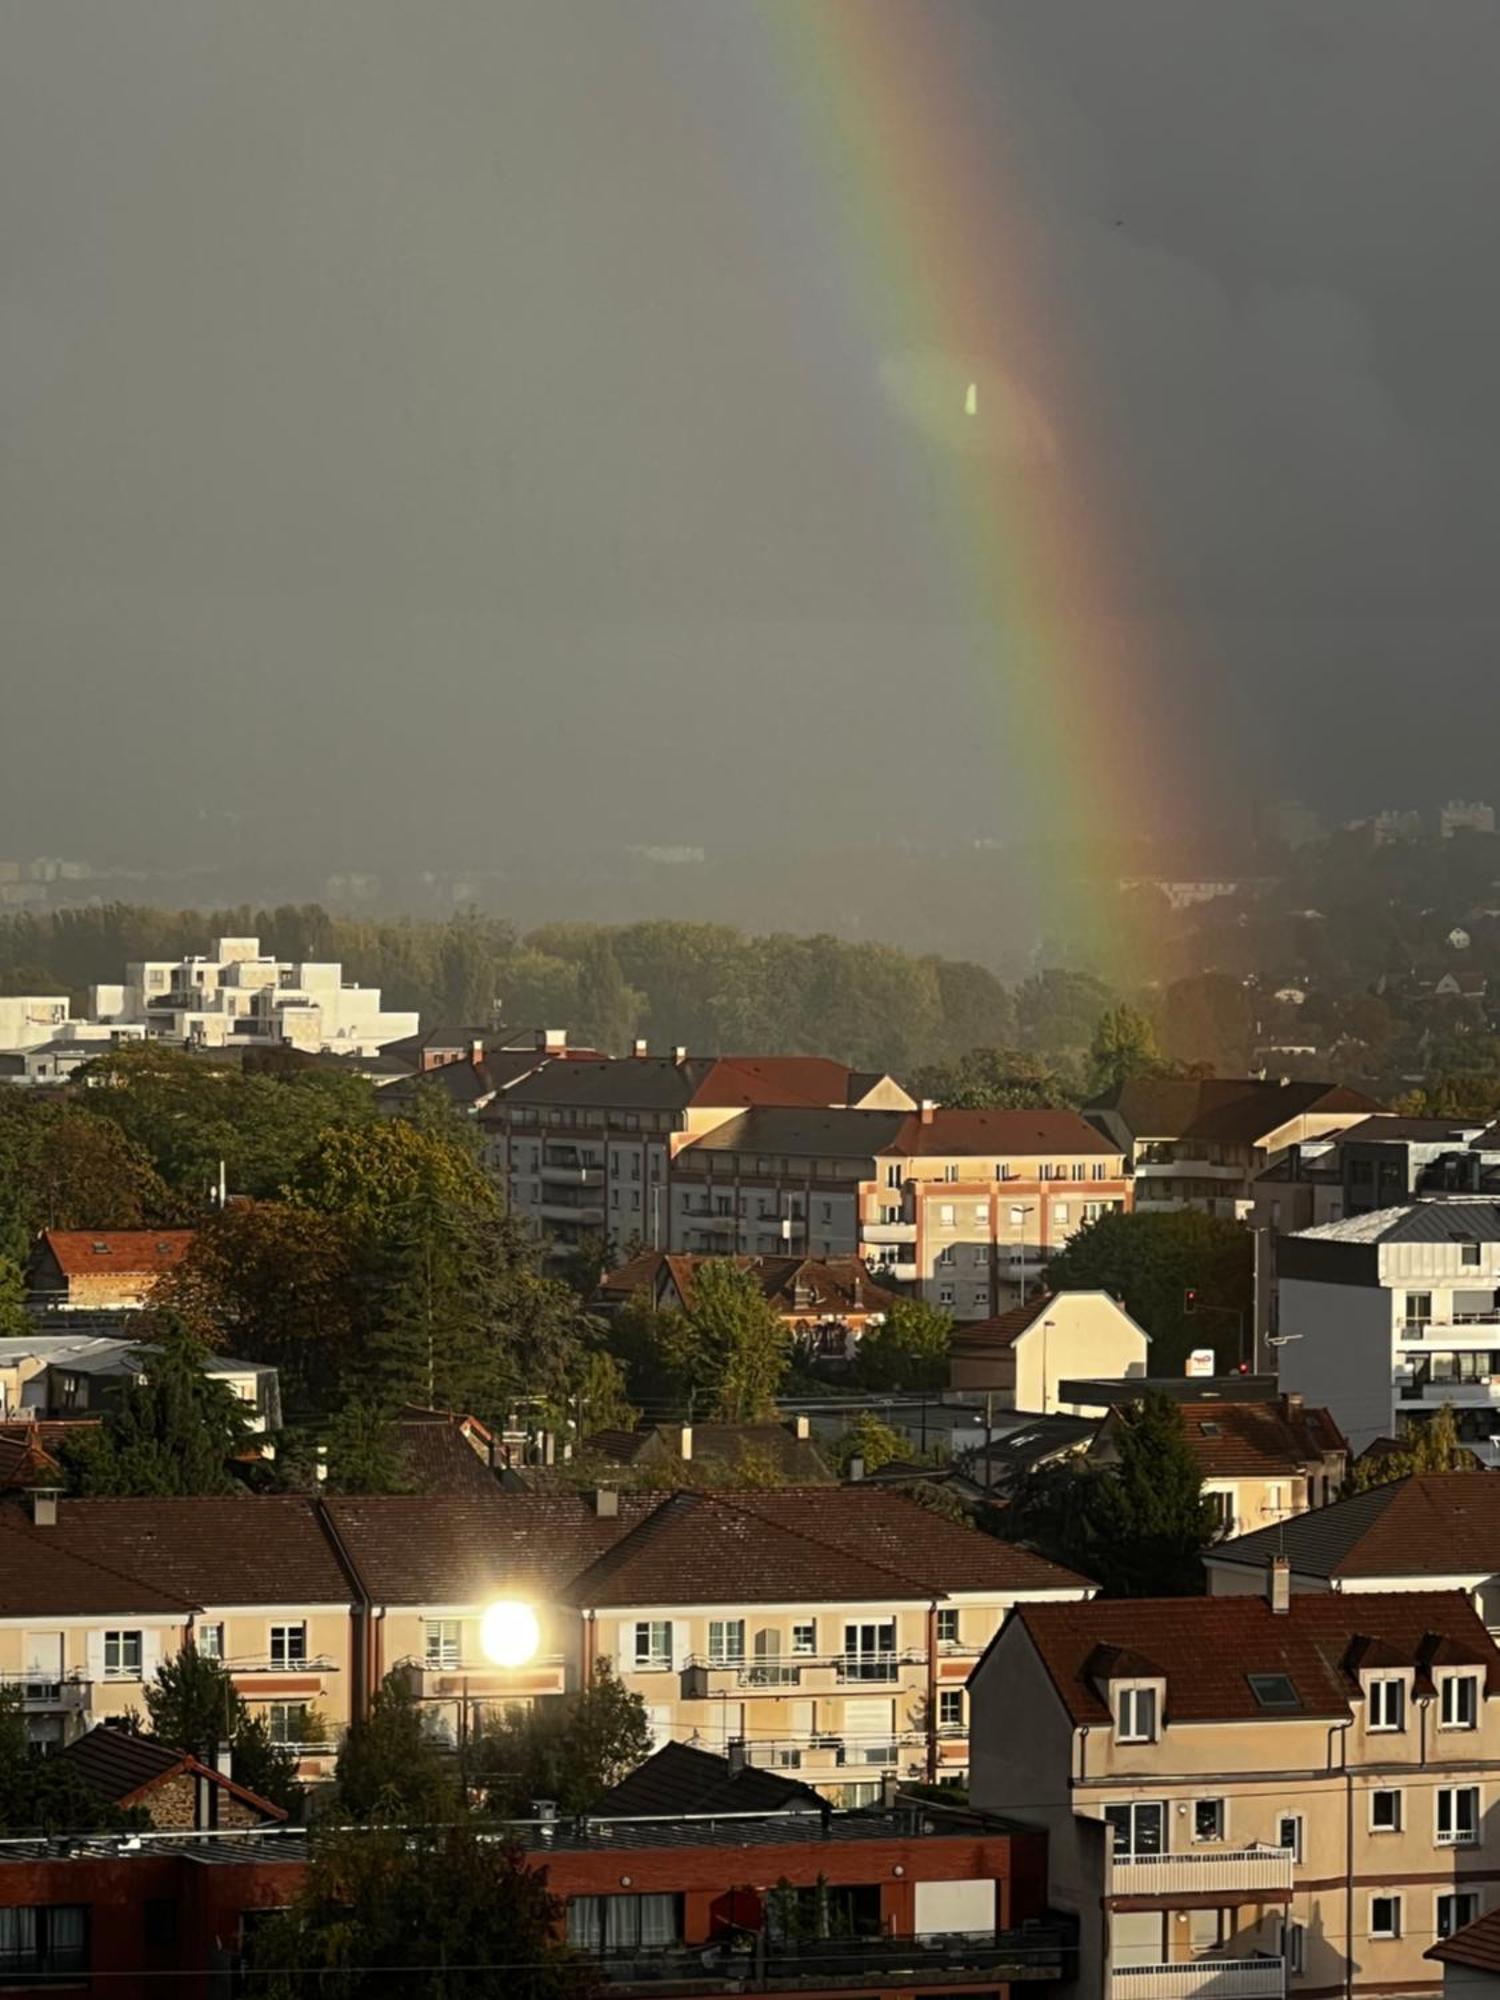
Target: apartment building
<point x="1431" y="1531"/>
<point x="589" y="1148"/>
<point x="1252" y="1795"/>
<point x="1200" y="1143"/>
<point x="883" y="1903"/>
<point x="1387" y="1316"/>
<point x="95" y="1593"/>
<point x="1021" y="1359"/>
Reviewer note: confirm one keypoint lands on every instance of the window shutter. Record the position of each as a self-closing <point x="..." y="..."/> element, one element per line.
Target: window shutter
<point x="150" y="1652"/>
<point x="94" y="1656"/>
<point x="679" y="1644"/>
<point x="625" y="1652"/>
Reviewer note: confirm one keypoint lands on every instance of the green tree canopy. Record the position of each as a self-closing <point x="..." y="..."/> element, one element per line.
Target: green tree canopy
<point x="389" y="1767"/>
<point x="174" y="1429"/>
<point x="571" y="1749"/>
<point x="1124" y="1046"/>
<point x="1433" y="1446"/>
<point x="908" y="1350"/>
<point x="1151" y="1262"/>
<point x="46" y="1794"/>
<point x="194" y="1706"/>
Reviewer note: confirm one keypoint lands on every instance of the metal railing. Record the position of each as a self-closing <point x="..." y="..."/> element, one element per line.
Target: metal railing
<point x="757" y="1963"/>
<point x="1233" y="1869"/>
<point x="1261" y="1978"/>
<point x="847" y="1669"/>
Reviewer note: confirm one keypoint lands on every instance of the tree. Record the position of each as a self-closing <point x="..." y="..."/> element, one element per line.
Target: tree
<point x="389" y="1767"/>
<point x="443" y="1913"/>
<point x="570" y="1749"/>
<point x="741" y="1347"/>
<point x="908" y="1350"/>
<point x="194" y="1706"/>
<point x="364" y="1452"/>
<point x="1151" y="1262"/>
<point x="14" y="1320"/>
<point x="1433" y="1446"/>
<point x="1124" y="1046"/>
<point x="606" y="1008"/>
<point x="1209" y="1018"/>
<point x="172" y="1429"/>
<point x="871" y="1441"/>
<point x="995" y="1079"/>
<point x="46" y="1794"/>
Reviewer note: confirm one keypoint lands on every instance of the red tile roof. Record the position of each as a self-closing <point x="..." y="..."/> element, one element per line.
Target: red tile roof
<point x="998" y="1133"/>
<point x="1476" y="1946"/>
<point x="822" y="1285"/>
<point x="1207" y="1647"/>
<point x="1258" y="1440"/>
<point x="983" y="1336"/>
<point x="85" y="1253"/>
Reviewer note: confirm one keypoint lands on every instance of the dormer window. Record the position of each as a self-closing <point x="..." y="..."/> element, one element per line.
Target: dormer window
<point x="1459" y="1701"/>
<point x="1387" y="1704"/>
<point x="1136" y="1715"/>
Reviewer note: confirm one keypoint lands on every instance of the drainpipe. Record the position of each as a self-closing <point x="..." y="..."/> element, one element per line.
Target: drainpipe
<point x="1343" y="1729"/>
<point x="932" y="1693"/>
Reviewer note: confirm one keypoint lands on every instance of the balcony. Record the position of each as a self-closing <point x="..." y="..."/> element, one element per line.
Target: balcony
<point x="590" y="1214"/>
<point x="461" y="1681"/>
<point x="888" y="1232"/>
<point x="1201" y="1979"/>
<point x="44" y="1694"/>
<point x="903" y="1270"/>
<point x="706" y="1680"/>
<point x="1479" y="1392"/>
<point x="563" y="1173"/>
<point x="750" y="1963"/>
<point x="1188" y="1168"/>
<point x="1248" y="1872"/>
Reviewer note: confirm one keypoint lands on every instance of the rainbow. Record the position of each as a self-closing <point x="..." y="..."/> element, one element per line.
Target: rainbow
<point x="918" y="189"/>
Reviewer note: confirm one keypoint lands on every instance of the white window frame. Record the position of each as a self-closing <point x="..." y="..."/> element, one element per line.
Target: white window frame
<point x="1387" y="1792"/>
<point x="442" y="1643"/>
<point x="648" y="1656"/>
<point x="1470" y="1896"/>
<point x="281" y="1710"/>
<point x="208" y="1640"/>
<point x="1298" y="1826"/>
<point x="290" y="1643"/>
<point x="1456" y="1692"/>
<point x="1456" y="1836"/>
<point x="726" y="1642"/>
<point x="1395" y="1903"/>
<point x="1378" y="1699"/>
<point x="948" y="1625"/>
<point x="119" y="1641"/>
<point x="809" y="1628"/>
<point x="947" y="1697"/>
<point x="1127" y="1729"/>
<point x="1221" y="1827"/>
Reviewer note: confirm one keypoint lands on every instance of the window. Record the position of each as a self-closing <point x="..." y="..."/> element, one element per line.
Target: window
<point x="1460" y="1703"/>
<point x="440" y="1641"/>
<point x="945" y="1295"/>
<point x="209" y="1639"/>
<point x="950" y="1708"/>
<point x="122" y="1656"/>
<point x="1017" y="1216"/>
<point x="870" y="1651"/>
<point x="947" y="1214"/>
<point x="47" y="1941"/>
<point x="1136" y="1716"/>
<point x="982" y="1214"/>
<point x="1458" y="1815"/>
<point x="1208" y="1819"/>
<point x="624" y="1923"/>
<point x="287" y="1722"/>
<point x="1385" y="1916"/>
<point x="1059" y="1211"/>
<point x="950" y="1172"/>
<point x="947" y="1626"/>
<point x="288" y="1645"/>
<point x="1468" y="1253"/>
<point x="1385" y="1812"/>
<point x="1139" y="1829"/>
<point x="1455" y="1911"/>
<point x="805" y="1639"/>
<point x="1418" y="1308"/>
<point x="1273" y="1691"/>
<point x="893" y="1174"/>
<point x="653" y="1645"/>
<point x="1387" y="1704"/>
<point x="726" y="1641"/>
<point x="947" y="1255"/>
<point x="1289" y="1834"/>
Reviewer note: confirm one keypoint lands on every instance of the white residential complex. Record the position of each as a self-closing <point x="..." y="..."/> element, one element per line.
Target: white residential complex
<point x="235" y="997"/>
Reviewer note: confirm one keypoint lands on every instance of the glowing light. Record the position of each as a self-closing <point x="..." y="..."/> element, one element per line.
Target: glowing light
<point x="971" y="400"/>
<point x="509" y="1633"/>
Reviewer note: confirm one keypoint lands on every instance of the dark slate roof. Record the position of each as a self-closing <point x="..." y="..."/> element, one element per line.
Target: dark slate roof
<point x="422" y="1549"/>
<point x="440" y="1457"/>
<point x="796" y="1459"/>
<point x="803" y="1130"/>
<point x="119" y="1765"/>
<point x="1433" y="1524"/>
<point x="1233" y="1110"/>
<point x="682" y="1779"/>
<point x="1005" y="1459"/>
<point x="1433" y="1220"/>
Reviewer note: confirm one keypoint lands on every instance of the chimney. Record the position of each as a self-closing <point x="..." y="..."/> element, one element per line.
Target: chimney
<point x="1291" y="1403"/>
<point x="736" y="1756"/>
<point x="679" y="1056"/>
<point x="44" y="1506"/>
<point x="890" y="1791"/>
<point x="856" y="1470"/>
<point x="639" y="1048"/>
<point x="224" y="1760"/>
<point x="926" y="1109"/>
<point x="606" y="1503"/>
<point x="804" y="1428"/>
<point x="551" y="1038"/>
<point x="476" y="1049"/>
<point x="1279" y="1585"/>
<point x="685" y="1443"/>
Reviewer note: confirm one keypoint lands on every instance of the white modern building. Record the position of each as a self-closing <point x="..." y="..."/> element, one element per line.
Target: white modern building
<point x="1385" y="1317"/>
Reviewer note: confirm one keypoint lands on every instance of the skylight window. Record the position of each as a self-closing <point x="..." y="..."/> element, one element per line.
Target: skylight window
<point x="1273" y="1690"/>
<point x="1209" y="1430"/>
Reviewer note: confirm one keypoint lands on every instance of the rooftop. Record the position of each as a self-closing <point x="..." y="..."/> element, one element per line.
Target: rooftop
<point x="87" y="1253"/>
<point x="1476" y="1946"/>
<point x="682" y="1779"/>
<point x="1439" y="1219"/>
<point x="1224" y="1110"/>
<point x="1429" y="1525"/>
<point x="822" y="1285"/>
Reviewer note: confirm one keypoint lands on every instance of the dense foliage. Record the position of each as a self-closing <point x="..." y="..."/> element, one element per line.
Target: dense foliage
<point x="1150" y="1263"/>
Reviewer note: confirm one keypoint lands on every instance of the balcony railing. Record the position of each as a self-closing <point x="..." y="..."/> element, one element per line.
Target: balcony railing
<point x="317" y="1663"/>
<point x="704" y="1676"/>
<point x="819" y="1754"/>
<point x="1250" y="1871"/>
<point x="1201" y="1979"/>
<point x="888" y="1232"/>
<point x="40" y="1691"/>
<point x="570" y="1173"/>
<point x="757" y="1964"/>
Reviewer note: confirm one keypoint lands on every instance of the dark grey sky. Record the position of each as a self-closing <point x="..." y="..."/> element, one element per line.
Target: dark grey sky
<point x="426" y="428"/>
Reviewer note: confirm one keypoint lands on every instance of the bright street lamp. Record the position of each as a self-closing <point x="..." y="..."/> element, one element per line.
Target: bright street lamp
<point x="509" y="1633"/>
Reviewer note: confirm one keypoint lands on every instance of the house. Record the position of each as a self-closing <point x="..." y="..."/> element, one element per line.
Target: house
<point x="29" y="1453"/>
<point x="1255" y="1795"/>
<point x="1470" y="1958"/>
<point x="67" y="1378"/>
<point x="904" y="1898"/>
<point x="1200" y="1143"/>
<point x="1429" y="1531"/>
<point x="828" y="1302"/>
<point x="1385" y="1317"/>
<point x="1261" y="1462"/>
<point x="95" y="1593"/>
<point x="174" y="1790"/>
<point x="104" y="1270"/>
<point x="724" y="1449"/>
<point x="1023" y="1356"/>
<point x="679" y="1779"/>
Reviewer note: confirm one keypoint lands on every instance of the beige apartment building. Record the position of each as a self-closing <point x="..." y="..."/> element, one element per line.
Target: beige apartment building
<point x="1251" y="1796"/>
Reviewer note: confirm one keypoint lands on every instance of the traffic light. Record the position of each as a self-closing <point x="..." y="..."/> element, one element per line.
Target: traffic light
<point x="1190" y="1302"/>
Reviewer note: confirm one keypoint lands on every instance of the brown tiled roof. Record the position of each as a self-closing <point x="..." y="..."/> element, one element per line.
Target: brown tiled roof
<point x="121" y="1766"/>
<point x="821" y="1285"/>
<point x="983" y="1336"/>
<point x="423" y="1550"/>
<point x="234" y="1549"/>
<point x="83" y="1253"/>
<point x="1062" y="1133"/>
<point x="438" y="1453"/>
<point x="795" y="1458"/>
<point x="1257" y="1440"/>
<point x="42" y="1577"/>
<point x="1207" y="1647"/>
<point x="1433" y="1524"/>
<point x="1229" y="1110"/>
<point x="1476" y="1946"/>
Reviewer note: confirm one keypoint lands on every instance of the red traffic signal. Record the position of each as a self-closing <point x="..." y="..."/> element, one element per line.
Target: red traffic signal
<point x="1190" y="1302"/>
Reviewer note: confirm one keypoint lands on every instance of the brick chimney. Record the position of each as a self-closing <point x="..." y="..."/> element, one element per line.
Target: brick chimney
<point x="685" y="1443"/>
<point x="926" y="1109"/>
<point x="804" y="1427"/>
<point x="679" y="1055"/>
<point x="638" y="1048"/>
